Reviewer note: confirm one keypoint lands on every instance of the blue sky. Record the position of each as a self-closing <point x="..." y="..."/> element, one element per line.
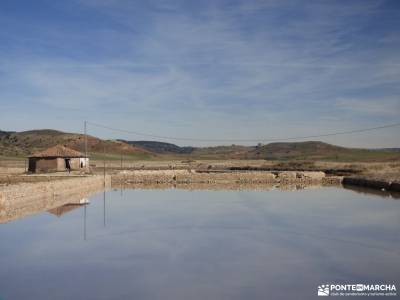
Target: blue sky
<point x="203" y="69"/>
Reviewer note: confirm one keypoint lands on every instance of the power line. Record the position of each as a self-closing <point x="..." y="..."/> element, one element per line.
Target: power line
<point x="246" y="140"/>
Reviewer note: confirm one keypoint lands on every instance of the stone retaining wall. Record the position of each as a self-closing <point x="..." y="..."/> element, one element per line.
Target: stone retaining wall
<point x="217" y="186"/>
<point x="15" y="179"/>
<point x="185" y="176"/>
<point x="25" y="199"/>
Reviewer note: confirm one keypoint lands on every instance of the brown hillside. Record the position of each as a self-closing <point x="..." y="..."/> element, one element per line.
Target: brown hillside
<point x="315" y="150"/>
<point x="28" y="142"/>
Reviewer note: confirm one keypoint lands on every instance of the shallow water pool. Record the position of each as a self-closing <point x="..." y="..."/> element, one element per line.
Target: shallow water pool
<point x="176" y="244"/>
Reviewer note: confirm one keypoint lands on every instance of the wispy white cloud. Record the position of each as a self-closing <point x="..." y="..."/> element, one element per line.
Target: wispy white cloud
<point x="245" y="70"/>
<point x="388" y="107"/>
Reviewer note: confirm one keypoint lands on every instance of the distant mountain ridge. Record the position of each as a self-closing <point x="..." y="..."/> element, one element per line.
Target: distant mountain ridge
<point x="387" y="149"/>
<point x="309" y="150"/>
<point x="4" y="133"/>
<point x="160" y="147"/>
<point x="20" y="144"/>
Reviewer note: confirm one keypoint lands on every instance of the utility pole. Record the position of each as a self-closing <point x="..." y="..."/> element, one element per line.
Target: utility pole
<point x="104" y="164"/>
<point x="85" y="131"/>
<point x="121" y="161"/>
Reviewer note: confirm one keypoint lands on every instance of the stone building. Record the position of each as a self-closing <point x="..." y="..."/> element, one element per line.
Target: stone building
<point x="57" y="159"/>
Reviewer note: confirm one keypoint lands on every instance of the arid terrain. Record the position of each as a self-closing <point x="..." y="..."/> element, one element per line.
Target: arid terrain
<point x="115" y="156"/>
<point x="11" y="170"/>
<point x="18" y="145"/>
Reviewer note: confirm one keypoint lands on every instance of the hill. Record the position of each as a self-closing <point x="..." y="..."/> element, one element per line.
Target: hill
<point x="226" y="152"/>
<point x="19" y="144"/>
<point x="315" y="150"/>
<point x="4" y="133"/>
<point x="387" y="149"/>
<point x="310" y="150"/>
<point x="160" y="147"/>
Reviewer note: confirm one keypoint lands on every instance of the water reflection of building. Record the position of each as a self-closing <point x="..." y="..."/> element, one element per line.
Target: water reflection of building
<point x="58" y="204"/>
<point x="64" y="209"/>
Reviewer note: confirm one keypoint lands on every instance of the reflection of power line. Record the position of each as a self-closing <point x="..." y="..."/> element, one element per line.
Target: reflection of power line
<point x="270" y="139"/>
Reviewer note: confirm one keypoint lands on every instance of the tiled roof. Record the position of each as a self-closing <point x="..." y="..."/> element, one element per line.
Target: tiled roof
<point x="58" y="151"/>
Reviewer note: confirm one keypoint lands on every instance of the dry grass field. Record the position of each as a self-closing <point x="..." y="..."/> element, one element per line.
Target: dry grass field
<point x="385" y="171"/>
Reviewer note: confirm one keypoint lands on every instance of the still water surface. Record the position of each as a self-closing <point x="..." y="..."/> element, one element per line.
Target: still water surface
<point x="175" y="244"/>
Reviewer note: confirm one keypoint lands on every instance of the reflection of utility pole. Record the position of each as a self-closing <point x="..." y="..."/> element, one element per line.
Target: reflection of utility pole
<point x="84" y="222"/>
<point x="104" y="208"/>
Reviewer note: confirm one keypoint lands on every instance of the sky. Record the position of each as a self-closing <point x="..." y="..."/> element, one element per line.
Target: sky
<point x="203" y="69"/>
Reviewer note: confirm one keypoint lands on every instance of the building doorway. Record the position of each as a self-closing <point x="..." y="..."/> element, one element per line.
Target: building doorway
<point x="68" y="164"/>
